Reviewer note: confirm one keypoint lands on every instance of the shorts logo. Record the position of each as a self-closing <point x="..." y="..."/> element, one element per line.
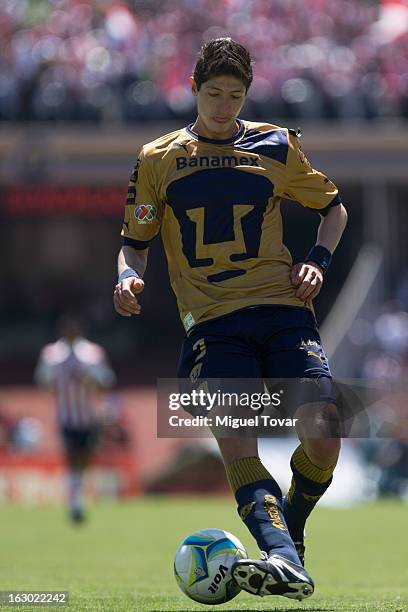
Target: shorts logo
<point x="145" y="213"/>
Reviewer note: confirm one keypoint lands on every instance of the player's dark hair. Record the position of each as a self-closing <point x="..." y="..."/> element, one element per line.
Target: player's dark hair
<point x="223" y="56"/>
<point x="70" y="324"/>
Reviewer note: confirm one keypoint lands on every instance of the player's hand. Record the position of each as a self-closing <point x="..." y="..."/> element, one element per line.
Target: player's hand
<point x="308" y="278"/>
<point x="124" y="298"/>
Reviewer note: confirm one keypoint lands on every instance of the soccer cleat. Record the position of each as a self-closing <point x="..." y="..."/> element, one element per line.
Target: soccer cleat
<point x="273" y="575"/>
<point x="300" y="549"/>
<point x="299" y="544"/>
<point x="77" y="515"/>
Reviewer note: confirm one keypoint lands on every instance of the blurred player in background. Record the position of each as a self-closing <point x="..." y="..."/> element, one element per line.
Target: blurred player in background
<point x="75" y="369"/>
<point x="213" y="189"/>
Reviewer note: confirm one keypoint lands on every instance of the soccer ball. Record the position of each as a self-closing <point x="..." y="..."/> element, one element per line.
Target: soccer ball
<point x="202" y="566"/>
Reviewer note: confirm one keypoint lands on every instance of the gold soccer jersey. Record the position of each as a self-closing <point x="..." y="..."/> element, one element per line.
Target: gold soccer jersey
<point x="217" y="203"/>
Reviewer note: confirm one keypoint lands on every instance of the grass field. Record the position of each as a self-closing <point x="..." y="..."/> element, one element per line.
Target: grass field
<point x="121" y="560"/>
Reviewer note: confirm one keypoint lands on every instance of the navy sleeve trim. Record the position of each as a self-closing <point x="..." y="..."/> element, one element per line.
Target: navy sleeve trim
<point x="295" y="132"/>
<point x="136" y="244"/>
<point x="335" y="202"/>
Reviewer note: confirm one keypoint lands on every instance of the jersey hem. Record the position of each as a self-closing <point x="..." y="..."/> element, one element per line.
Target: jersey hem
<point x="226" y="314"/>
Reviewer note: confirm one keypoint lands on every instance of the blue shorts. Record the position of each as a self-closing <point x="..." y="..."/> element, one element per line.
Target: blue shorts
<point x="258" y="344"/>
<point x="79" y="440"/>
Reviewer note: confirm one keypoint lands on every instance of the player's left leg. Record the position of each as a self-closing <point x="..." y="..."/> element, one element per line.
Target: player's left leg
<point x="312" y="464"/>
<point x="77" y="466"/>
<point x="294" y="353"/>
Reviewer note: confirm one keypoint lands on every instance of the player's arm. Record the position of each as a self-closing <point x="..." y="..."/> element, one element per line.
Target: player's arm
<point x="131" y="267"/>
<point x="313" y="190"/>
<point x="143" y="213"/>
<point x="331" y="227"/>
<point x="308" y="276"/>
<point x="44" y="375"/>
<point x="99" y="370"/>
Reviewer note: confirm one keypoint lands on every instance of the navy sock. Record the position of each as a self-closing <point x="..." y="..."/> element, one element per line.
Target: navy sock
<point x="259" y="501"/>
<point x="309" y="483"/>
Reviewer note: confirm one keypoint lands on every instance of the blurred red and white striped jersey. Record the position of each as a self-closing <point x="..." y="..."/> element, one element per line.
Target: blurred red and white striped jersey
<point x="74" y="371"/>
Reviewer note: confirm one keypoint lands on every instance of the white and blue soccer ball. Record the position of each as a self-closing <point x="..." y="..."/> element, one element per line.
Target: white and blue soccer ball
<point x="202" y="566"/>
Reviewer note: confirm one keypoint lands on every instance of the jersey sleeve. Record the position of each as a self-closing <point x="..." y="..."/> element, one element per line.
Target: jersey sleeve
<point x="305" y="185"/>
<point x="44" y="374"/>
<point x="101" y="372"/>
<point x="143" y="210"/>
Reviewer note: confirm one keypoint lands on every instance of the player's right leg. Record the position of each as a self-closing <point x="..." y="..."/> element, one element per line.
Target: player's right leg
<point x="78" y="448"/>
<point x="279" y="571"/>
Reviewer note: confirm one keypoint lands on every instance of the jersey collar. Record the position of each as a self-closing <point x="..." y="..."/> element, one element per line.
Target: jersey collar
<point x="215" y="141"/>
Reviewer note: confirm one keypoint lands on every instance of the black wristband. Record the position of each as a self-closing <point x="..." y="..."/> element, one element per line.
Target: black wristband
<point x="128" y="273"/>
<point x="320" y="256"/>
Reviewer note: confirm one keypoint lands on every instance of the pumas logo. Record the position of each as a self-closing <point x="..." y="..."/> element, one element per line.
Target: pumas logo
<point x="145" y="213"/>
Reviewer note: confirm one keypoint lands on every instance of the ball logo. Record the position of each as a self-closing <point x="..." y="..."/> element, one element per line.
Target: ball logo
<point x="222" y="570"/>
<point x="145" y="213"/>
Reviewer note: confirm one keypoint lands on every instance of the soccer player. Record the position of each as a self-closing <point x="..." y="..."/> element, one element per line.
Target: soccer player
<point x="213" y="189"/>
<point x="74" y="369"/>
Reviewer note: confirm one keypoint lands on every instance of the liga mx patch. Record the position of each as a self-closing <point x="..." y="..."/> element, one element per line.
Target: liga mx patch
<point x="145" y="213"/>
<point x="188" y="321"/>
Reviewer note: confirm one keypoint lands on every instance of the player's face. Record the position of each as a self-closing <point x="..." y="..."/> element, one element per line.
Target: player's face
<point x="219" y="102"/>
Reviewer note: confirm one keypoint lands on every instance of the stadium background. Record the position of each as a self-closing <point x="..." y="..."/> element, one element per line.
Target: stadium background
<point x="83" y="84"/>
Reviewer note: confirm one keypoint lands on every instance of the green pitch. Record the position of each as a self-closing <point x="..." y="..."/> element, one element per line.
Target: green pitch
<point x="121" y="560"/>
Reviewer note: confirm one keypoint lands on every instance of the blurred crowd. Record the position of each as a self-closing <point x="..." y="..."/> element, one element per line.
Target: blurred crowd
<point x="382" y="341"/>
<point x="380" y="347"/>
<point x="117" y="60"/>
